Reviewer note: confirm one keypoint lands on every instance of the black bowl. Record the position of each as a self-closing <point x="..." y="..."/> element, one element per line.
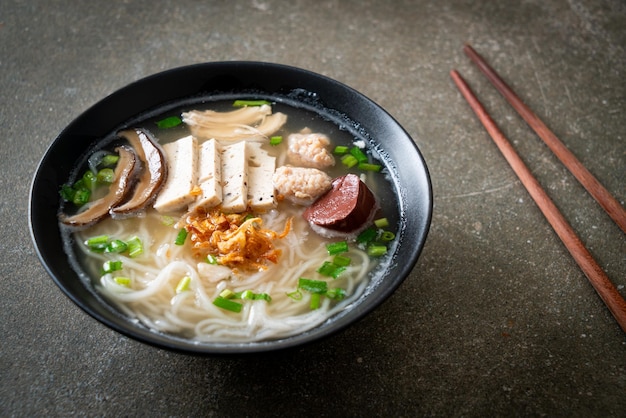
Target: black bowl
<point x="167" y="90"/>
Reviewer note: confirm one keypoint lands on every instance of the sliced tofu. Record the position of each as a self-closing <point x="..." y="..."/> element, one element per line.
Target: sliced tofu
<point x="209" y="176"/>
<point x="182" y="166"/>
<point x="234" y="162"/>
<point x="261" y="168"/>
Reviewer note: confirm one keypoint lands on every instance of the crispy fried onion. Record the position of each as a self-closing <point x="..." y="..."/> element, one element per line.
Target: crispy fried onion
<point x="236" y="240"/>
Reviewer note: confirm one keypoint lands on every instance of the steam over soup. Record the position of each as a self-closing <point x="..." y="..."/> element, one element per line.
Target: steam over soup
<point x="231" y="223"/>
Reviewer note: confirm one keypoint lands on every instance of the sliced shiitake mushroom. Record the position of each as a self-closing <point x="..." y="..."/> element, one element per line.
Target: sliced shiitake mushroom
<point x="153" y="172"/>
<point x="118" y="190"/>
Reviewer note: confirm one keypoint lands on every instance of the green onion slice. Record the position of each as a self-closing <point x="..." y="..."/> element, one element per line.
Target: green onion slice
<point x="122" y="281"/>
<point x="228" y="304"/>
<point x="243" y="103"/>
<point x="370" y="167"/>
<point x="357" y="153"/>
<point x="366" y="236"/>
<point x="336" y="293"/>
<point x="116" y="246"/>
<point x="313" y="286"/>
<point x="376" y="250"/>
<point x="105" y="176"/>
<point x="109" y="160"/>
<point x="342" y="260"/>
<point x="227" y="294"/>
<point x="183" y="285"/>
<point x="387" y="236"/>
<point x="295" y="295"/>
<point x="276" y="140"/>
<point x="89" y="179"/>
<point x="335" y="248"/>
<point x="98" y="243"/>
<point x="330" y="269"/>
<point x="181" y="237"/>
<point x="349" y="160"/>
<point x="340" y="150"/>
<point x="81" y="197"/>
<point x="135" y="247"/>
<point x="315" y="301"/>
<point x="169" y="122"/>
<point x="381" y="222"/>
<point x="110" y="266"/>
<point x="168" y="220"/>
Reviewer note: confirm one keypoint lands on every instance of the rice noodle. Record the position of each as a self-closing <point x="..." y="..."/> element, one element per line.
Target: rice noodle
<point x="153" y="301"/>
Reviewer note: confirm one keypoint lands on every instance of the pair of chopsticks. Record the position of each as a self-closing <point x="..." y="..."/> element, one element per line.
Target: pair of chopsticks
<point x="598" y="279"/>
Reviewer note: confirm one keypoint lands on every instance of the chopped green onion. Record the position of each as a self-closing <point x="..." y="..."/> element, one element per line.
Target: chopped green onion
<point x="337" y="247"/>
<point x="183" y="285"/>
<point x="313" y="286"/>
<point x="81" y="197"/>
<point x="181" y="237"/>
<point x="381" y="223"/>
<point x="370" y="167"/>
<point x="110" y="266"/>
<point x="315" y="301"/>
<point x="109" y="160"/>
<point x="366" y="236"/>
<point x="211" y="259"/>
<point x="387" y="236"/>
<point x="326" y="269"/>
<point x="89" y="179"/>
<point x="122" y="281"/>
<point x="227" y="304"/>
<point x="98" y="243"/>
<point x="376" y="250"/>
<point x="336" y="294"/>
<point x="116" y="246"/>
<point x="358" y="154"/>
<point x="349" y="160"/>
<point x="105" y="176"/>
<point x="227" y="294"/>
<point x="341" y="260"/>
<point x="295" y="295"/>
<point x="262" y="296"/>
<point x="330" y="269"/>
<point x="340" y="150"/>
<point x="135" y="247"/>
<point x="169" y="122"/>
<point x="167" y="220"/>
<point x="276" y="140"/>
<point x="243" y="103"/>
<point x="247" y="294"/>
<point x="67" y="193"/>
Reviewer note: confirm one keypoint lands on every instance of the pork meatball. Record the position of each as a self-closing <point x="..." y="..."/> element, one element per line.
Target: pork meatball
<point x="301" y="185"/>
<point x="309" y="149"/>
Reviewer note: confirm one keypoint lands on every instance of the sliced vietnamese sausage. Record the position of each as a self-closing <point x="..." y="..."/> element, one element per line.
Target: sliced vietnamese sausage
<point x="118" y="190"/>
<point x="153" y="172"/>
<point x="345" y="208"/>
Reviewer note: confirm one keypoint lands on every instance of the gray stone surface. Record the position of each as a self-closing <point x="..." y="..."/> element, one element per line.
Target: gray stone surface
<point x="496" y="318"/>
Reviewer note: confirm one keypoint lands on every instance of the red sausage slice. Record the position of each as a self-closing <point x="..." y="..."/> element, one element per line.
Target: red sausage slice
<point x="346" y="207"/>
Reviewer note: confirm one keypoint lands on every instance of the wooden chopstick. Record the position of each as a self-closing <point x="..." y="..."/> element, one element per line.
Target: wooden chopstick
<point x="598" y="279"/>
<point x="589" y="182"/>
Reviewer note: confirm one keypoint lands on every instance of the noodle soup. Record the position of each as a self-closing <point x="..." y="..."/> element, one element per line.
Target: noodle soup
<point x="158" y="266"/>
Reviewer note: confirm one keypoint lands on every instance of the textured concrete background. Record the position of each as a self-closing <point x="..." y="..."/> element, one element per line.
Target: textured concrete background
<point x="496" y="318"/>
